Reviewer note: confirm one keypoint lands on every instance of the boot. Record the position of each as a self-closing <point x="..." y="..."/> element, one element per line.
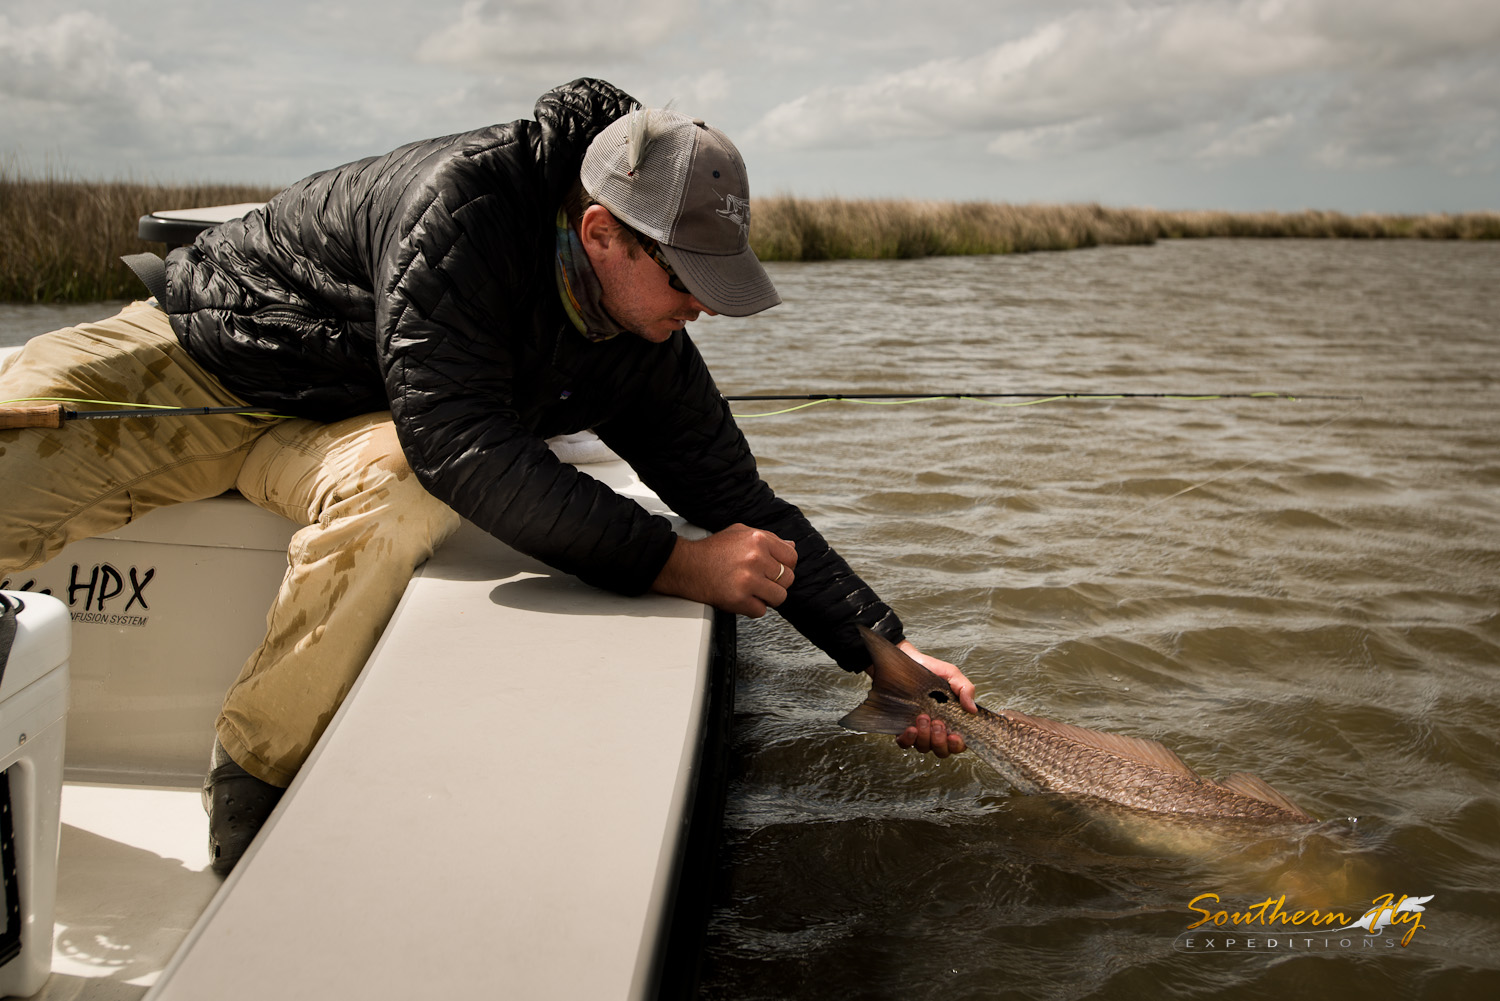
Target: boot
<point x="238" y="804"/>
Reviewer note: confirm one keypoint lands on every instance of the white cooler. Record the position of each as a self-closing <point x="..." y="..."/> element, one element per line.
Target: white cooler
<point x="33" y="704"/>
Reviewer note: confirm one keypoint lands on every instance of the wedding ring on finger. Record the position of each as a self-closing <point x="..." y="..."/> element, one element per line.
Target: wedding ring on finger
<point x="779" y="573"/>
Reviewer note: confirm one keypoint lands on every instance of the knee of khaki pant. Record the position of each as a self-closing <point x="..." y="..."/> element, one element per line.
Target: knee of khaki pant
<point x="412" y="522"/>
<point x="369" y="523"/>
<point x="415" y="510"/>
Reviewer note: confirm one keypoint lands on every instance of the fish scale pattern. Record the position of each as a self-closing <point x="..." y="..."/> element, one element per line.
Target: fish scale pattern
<point x="422" y="282"/>
<point x="1050" y="761"/>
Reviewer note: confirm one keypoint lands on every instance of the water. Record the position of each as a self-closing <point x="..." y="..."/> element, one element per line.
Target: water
<point x="1304" y="590"/>
<point x="20" y="322"/>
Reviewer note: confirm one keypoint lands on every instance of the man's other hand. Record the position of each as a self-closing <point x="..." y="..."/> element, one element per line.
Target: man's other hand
<point x="739" y="569"/>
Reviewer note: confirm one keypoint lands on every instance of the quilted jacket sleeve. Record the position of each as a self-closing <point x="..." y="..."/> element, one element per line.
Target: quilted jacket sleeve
<point x="679" y="436"/>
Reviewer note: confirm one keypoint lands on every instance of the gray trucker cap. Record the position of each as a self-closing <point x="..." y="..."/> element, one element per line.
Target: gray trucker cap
<point x="688" y="191"/>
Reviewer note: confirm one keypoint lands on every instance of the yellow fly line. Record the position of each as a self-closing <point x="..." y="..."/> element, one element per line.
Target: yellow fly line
<point x="804" y="402"/>
<point x="1006" y="399"/>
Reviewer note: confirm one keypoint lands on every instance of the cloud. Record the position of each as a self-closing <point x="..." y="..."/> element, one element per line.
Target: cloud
<point x="116" y="99"/>
<point x="1087" y="64"/>
<point x="1048" y="140"/>
<point x="1252" y="139"/>
<point x="73" y="61"/>
<point x="1395" y="33"/>
<point x="1147" y="100"/>
<point x="493" y="35"/>
<point x="1232" y="72"/>
<point x="1454" y="118"/>
<point x="701" y="95"/>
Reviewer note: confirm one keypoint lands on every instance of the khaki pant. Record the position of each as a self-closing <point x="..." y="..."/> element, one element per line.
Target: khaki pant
<point x="368" y="521"/>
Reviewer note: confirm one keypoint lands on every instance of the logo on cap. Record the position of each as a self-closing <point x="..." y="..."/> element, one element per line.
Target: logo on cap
<point x="736" y="210"/>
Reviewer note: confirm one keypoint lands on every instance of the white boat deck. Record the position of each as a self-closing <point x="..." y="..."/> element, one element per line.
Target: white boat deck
<point x="133" y="878"/>
<point x="499" y="808"/>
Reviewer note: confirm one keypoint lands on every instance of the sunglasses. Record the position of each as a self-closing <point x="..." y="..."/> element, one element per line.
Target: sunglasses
<point x="653" y="248"/>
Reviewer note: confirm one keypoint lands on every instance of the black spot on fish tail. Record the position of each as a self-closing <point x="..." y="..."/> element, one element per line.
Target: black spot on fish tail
<point x="938" y="696"/>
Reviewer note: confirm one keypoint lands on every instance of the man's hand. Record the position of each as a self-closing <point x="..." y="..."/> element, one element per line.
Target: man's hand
<point x="739" y="569"/>
<point x="928" y="734"/>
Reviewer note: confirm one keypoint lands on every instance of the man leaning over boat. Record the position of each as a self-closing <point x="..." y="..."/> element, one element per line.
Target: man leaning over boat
<point x="426" y="319"/>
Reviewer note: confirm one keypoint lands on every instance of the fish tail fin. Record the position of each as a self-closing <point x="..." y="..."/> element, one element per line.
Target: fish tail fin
<point x="881" y="713"/>
<point x="898" y="685"/>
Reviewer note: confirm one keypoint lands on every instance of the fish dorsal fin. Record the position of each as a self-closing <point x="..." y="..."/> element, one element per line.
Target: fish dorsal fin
<point x="1248" y="785"/>
<point x="1138" y="749"/>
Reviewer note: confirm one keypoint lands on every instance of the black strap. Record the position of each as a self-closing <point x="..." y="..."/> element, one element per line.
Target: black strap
<point x="10" y="898"/>
<point x="9" y="609"/>
<point x="10" y="938"/>
<point x="11" y="895"/>
<point x="152" y="271"/>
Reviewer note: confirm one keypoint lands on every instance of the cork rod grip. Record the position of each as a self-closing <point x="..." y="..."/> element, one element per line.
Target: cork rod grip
<point x="50" y="416"/>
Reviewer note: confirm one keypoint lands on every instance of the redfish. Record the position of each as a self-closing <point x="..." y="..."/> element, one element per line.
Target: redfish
<point x="1042" y="755"/>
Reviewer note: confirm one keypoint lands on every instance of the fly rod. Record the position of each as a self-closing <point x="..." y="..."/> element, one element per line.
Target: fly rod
<point x="54" y="415"/>
<point x="1028" y="396"/>
<point x="995" y="399"/>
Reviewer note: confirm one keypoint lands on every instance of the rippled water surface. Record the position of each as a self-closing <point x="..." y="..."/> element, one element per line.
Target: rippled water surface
<point x="1304" y="590"/>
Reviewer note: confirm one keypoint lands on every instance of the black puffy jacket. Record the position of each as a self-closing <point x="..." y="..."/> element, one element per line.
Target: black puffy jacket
<point x="422" y="282"/>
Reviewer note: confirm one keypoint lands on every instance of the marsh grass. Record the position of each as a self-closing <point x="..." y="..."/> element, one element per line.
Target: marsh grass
<point x="797" y="229"/>
<point x="61" y="238"/>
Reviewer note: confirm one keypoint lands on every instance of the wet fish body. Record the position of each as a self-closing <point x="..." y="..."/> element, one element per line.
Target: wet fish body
<point x="1041" y="755"/>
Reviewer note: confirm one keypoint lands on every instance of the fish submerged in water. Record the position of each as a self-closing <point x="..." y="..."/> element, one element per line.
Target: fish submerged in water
<point x="1043" y="755"/>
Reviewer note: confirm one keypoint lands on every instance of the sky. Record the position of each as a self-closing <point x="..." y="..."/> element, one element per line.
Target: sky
<point x="1349" y="105"/>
